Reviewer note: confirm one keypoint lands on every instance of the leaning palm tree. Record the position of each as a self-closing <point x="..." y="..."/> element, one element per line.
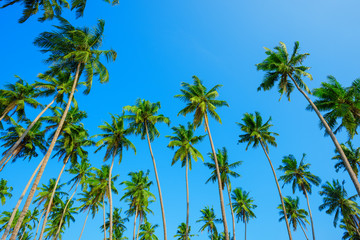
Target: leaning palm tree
<point x="115" y="140"/>
<point x="76" y="49"/>
<point x="5" y="191"/>
<point x="257" y="133"/>
<point x="243" y="206"/>
<point x="209" y="219"/>
<point x="299" y="176"/>
<point x="225" y="174"/>
<point x="183" y="232"/>
<point x="184" y="139"/>
<point x="280" y="66"/>
<point x="143" y="116"/>
<point x="147" y="231"/>
<point x="203" y="102"/>
<point x="296" y="215"/>
<point x="353" y="155"/>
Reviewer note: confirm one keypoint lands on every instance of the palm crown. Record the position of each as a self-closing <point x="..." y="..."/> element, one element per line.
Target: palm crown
<point x="243" y="205"/>
<point x="209" y="219"/>
<point x="353" y="155"/>
<point x="295" y="214"/>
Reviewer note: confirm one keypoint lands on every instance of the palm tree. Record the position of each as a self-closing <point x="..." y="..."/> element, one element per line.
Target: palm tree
<point x="243" y="206"/>
<point x="209" y="219"/>
<point x="30" y="217"/>
<point x="183" y="138"/>
<point x="295" y="214"/>
<point x="118" y="222"/>
<point x="353" y="155"/>
<point x="137" y="193"/>
<point x="115" y="140"/>
<point x="204" y="102"/>
<point x="257" y="133"/>
<point x="143" y="117"/>
<point x="300" y="177"/>
<point x="183" y="232"/>
<point x="61" y="215"/>
<point x="77" y="49"/>
<point x="279" y="66"/>
<point x="147" y="231"/>
<point x="225" y="174"/>
<point x="5" y="191"/>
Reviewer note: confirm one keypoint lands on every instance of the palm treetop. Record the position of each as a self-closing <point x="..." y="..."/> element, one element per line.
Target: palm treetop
<point x="295" y="214"/>
<point x="353" y="155"/>
<point x="45" y="193"/>
<point x="5" y="191"/>
<point x="243" y="205"/>
<point x="100" y="183"/>
<point x="200" y="100"/>
<point x="209" y="219"/>
<point x="256" y="131"/>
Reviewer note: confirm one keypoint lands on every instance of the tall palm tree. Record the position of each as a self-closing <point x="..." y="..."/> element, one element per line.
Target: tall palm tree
<point x="61" y="215"/>
<point x="257" y="133"/>
<point x="243" y="206"/>
<point x="209" y="219"/>
<point x="76" y="49"/>
<point x="118" y="222"/>
<point x="280" y="66"/>
<point x="29" y="218"/>
<point x="225" y="174"/>
<point x="143" y="116"/>
<point x="183" y="232"/>
<point x="184" y="139"/>
<point x="5" y="191"/>
<point x="147" y="231"/>
<point x="203" y="102"/>
<point x="353" y="155"/>
<point x="300" y="177"/>
<point x="295" y="214"/>
<point x="115" y="140"/>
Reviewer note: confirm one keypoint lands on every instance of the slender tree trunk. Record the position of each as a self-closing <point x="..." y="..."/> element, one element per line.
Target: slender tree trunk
<point x="7" y="230"/>
<point x="27" y="131"/>
<point x="138" y="230"/>
<point x="2" y="167"/>
<point x="52" y="199"/>
<point x="219" y="179"/>
<point x="311" y="219"/>
<point x="110" y="197"/>
<point x="303" y="230"/>
<point x="187" y="197"/>
<point x="46" y="158"/>
<point x="232" y="211"/>
<point x="7" y="110"/>
<point x="104" y="217"/>
<point x="22" y="235"/>
<point x="38" y="226"/>
<point x="82" y="230"/>
<point x="136" y="214"/>
<point x="334" y="139"/>
<point x="278" y="187"/>
<point x="211" y="234"/>
<point x="245" y="226"/>
<point x="158" y="183"/>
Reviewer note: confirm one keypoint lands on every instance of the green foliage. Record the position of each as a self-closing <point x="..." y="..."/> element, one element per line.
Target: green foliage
<point x="118" y="223"/>
<point x="352" y="154"/>
<point x="295" y="214"/>
<point x="147" y="231"/>
<point x="209" y="219"/>
<point x="181" y="232"/>
<point x="5" y="191"/>
<point x="243" y="205"/>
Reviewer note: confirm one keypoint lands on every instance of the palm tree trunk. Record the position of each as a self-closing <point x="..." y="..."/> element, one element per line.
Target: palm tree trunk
<point x="303" y="230"/>
<point x="27" y="131"/>
<point x="334" y="139"/>
<point x="38" y="226"/>
<point x="52" y="199"/>
<point x="104" y="217"/>
<point x="219" y="179"/>
<point x="136" y="214"/>
<point x="7" y="230"/>
<point x="2" y="167"/>
<point x="232" y="211"/>
<point x="138" y="230"/>
<point x="7" y="110"/>
<point x="46" y="157"/>
<point x="158" y="183"/>
<point x="110" y="197"/>
<point x="187" y="197"/>
<point x="62" y="216"/>
<point x="245" y="226"/>
<point x="311" y="219"/>
<point x="82" y="230"/>
<point x="22" y="236"/>
<point x="278" y="187"/>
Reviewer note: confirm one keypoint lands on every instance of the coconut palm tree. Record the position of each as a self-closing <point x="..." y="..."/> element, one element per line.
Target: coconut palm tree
<point x="184" y="140"/>
<point x="209" y="219"/>
<point x="147" y="231"/>
<point x="118" y="222"/>
<point x="62" y="215"/>
<point x="5" y="191"/>
<point x="75" y="49"/>
<point x="225" y="174"/>
<point x="353" y="155"/>
<point x="243" y="206"/>
<point x="288" y="70"/>
<point x="203" y="102"/>
<point x="143" y="116"/>
<point x="115" y="140"/>
<point x="183" y="232"/>
<point x="295" y="214"/>
<point x="299" y="176"/>
<point x="29" y="219"/>
<point x="257" y="133"/>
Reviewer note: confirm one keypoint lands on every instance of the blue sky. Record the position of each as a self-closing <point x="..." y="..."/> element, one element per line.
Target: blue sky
<point x="163" y="43"/>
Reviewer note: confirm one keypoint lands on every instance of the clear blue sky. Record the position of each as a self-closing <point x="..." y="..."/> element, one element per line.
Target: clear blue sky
<point x="163" y="43"/>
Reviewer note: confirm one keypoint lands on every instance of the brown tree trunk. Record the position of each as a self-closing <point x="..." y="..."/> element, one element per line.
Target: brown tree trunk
<point x="138" y="230"/>
<point x="158" y="183"/>
<point x="219" y="179"/>
<point x="232" y="211"/>
<point x="187" y="197"/>
<point x="303" y="230"/>
<point x="311" y="219"/>
<point x="27" y="131"/>
<point x="136" y="214"/>
<point x="104" y="217"/>
<point x="7" y="110"/>
<point x="245" y="226"/>
<point x="278" y="187"/>
<point x="7" y="230"/>
<point x="334" y="139"/>
<point x="82" y="230"/>
<point x="46" y="158"/>
<point x="110" y="197"/>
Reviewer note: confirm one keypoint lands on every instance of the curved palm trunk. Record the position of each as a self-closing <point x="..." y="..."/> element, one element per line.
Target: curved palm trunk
<point x="110" y="197"/>
<point x="7" y="230"/>
<point x="7" y="110"/>
<point x="2" y="167"/>
<point x="12" y="149"/>
<point x="334" y="139"/>
<point x="278" y="187"/>
<point x="311" y="219"/>
<point x="232" y="211"/>
<point x="104" y="217"/>
<point x="38" y="226"/>
<point x="158" y="183"/>
<point x="187" y="197"/>
<point x="50" y="205"/>
<point x="46" y="157"/>
<point x="303" y="231"/>
<point x="136" y="214"/>
<point x="82" y="230"/>
<point x="219" y="179"/>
